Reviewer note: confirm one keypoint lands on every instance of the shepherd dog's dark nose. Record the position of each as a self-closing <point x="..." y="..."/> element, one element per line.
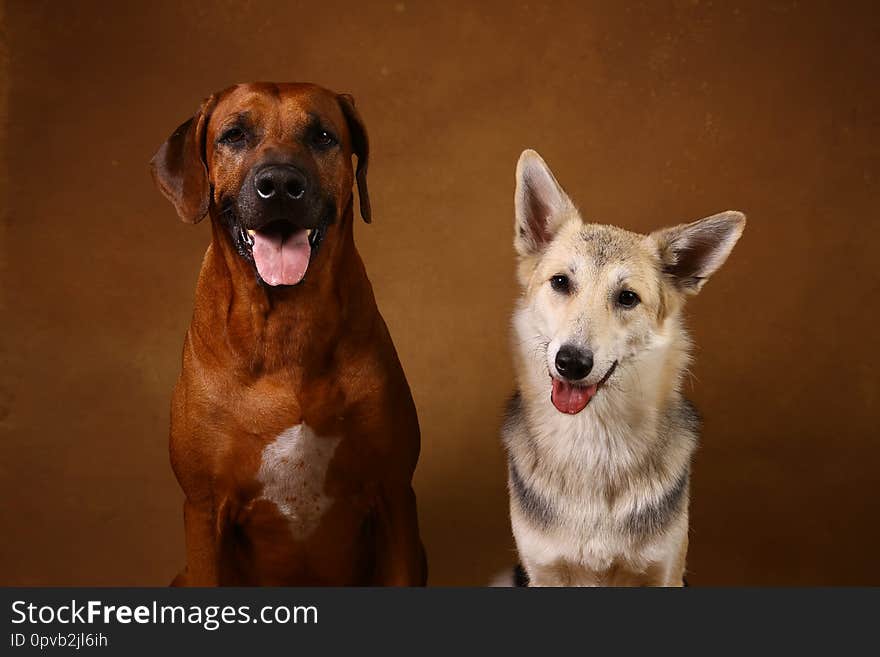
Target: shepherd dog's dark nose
<point x="573" y="364"/>
<point x="280" y="180"/>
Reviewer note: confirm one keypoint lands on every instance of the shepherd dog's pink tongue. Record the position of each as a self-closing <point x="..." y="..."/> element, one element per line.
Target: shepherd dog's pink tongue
<point x="282" y="261"/>
<point x="571" y="399"/>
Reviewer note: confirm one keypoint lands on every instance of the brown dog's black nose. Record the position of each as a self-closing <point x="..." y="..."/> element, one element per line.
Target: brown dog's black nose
<point x="282" y="180"/>
<point x="572" y="363"/>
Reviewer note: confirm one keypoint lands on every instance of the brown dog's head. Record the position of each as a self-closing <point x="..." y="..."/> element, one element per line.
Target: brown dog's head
<point x="272" y="163"/>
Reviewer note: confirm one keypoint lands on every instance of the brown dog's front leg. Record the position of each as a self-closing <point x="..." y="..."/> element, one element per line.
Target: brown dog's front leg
<point x="202" y="547"/>
<point x="400" y="557"/>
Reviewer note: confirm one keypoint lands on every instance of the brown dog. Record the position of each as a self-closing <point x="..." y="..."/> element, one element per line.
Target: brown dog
<point x="293" y="432"/>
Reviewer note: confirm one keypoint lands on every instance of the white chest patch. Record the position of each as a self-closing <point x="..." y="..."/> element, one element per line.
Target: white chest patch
<point x="292" y="470"/>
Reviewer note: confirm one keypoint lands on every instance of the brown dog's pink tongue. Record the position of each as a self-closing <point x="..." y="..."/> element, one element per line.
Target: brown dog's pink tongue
<point x="282" y="261"/>
<point x="571" y="399"/>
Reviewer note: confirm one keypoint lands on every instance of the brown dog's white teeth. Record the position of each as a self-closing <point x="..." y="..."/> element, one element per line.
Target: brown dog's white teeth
<point x="308" y="232"/>
<point x="251" y="232"/>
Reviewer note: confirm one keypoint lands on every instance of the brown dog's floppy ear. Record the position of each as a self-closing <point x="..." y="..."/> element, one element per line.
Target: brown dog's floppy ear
<point x="179" y="168"/>
<point x="361" y="147"/>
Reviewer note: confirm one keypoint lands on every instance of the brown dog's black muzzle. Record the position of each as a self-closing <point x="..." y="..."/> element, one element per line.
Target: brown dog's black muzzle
<point x="282" y="183"/>
<point x="279" y="213"/>
<point x="278" y="192"/>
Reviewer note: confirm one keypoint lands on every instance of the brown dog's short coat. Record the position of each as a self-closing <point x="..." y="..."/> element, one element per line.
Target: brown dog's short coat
<point x="293" y="432"/>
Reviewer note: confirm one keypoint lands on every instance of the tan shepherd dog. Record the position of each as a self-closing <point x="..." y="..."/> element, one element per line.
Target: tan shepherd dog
<point x="599" y="436"/>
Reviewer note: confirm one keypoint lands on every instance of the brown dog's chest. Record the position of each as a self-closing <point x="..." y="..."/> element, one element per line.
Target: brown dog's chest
<point x="294" y="471"/>
<point x="301" y="452"/>
<point x="292" y="476"/>
<point x="305" y="499"/>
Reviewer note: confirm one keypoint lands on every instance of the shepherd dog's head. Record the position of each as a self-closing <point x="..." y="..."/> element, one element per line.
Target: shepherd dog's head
<point x="601" y="305"/>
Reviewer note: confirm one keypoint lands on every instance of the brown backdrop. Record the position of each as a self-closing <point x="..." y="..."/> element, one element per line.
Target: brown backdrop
<point x="650" y="113"/>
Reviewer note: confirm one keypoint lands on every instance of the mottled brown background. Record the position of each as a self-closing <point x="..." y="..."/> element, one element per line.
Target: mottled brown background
<point x="650" y="113"/>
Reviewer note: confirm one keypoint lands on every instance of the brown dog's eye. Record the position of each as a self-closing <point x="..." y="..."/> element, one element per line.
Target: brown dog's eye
<point x="324" y="139"/>
<point x="628" y="299"/>
<point x="232" y="136"/>
<point x="561" y="283"/>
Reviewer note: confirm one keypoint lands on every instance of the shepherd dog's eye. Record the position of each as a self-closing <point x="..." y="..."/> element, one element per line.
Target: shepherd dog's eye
<point x="324" y="139"/>
<point x="628" y="299"/>
<point x="561" y="283"/>
<point x="232" y="136"/>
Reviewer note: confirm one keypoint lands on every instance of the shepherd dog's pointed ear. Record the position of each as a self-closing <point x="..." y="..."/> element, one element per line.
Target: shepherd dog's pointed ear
<point x="691" y="253"/>
<point x="179" y="167"/>
<point x="540" y="202"/>
<point x="361" y="147"/>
